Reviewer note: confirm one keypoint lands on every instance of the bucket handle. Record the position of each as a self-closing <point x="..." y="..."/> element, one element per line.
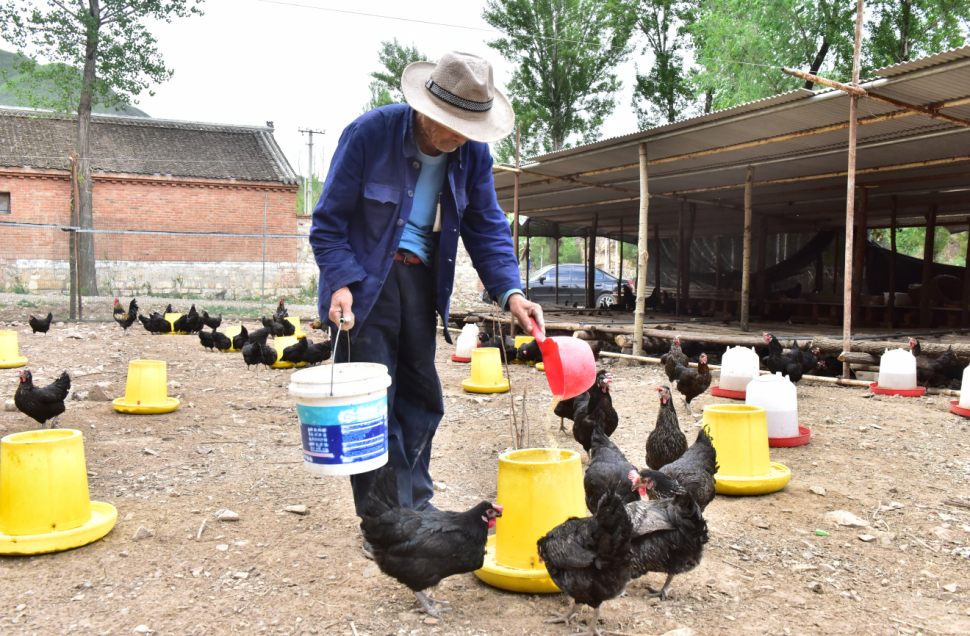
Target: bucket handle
<point x="536" y="331"/>
<point x="336" y="344"/>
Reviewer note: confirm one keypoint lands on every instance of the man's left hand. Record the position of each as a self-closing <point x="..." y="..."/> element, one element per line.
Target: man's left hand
<point x="522" y="309"/>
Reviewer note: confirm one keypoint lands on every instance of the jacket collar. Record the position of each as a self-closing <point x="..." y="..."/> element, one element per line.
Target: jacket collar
<point x="410" y="146"/>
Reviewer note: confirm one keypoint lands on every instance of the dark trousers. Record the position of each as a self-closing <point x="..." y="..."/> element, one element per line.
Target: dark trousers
<point x="400" y="333"/>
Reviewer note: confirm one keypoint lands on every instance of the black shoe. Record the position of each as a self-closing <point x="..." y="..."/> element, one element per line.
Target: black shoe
<point x="368" y="550"/>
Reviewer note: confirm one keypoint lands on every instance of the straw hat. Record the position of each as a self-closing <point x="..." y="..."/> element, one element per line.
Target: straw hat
<point x="459" y="92"/>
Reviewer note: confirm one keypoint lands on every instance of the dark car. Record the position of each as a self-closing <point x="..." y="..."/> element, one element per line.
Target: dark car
<point x="572" y="285"/>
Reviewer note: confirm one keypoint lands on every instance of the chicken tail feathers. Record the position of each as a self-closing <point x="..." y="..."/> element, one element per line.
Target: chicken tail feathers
<point x="383" y="494"/>
<point x="61" y="386"/>
<point x="613" y="529"/>
<point x="686" y="515"/>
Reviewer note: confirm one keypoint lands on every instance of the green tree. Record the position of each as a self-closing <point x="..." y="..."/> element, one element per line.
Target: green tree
<point x="566" y="52"/>
<point x="316" y="189"/>
<point x="99" y="51"/>
<point x="740" y="45"/>
<point x="386" y="87"/>
<point x="900" y="30"/>
<point x="665" y="92"/>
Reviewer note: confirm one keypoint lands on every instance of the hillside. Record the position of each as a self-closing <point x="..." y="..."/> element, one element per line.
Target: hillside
<point x="9" y="98"/>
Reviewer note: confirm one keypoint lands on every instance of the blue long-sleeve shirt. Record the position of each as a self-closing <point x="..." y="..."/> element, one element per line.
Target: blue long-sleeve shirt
<point x="366" y="202"/>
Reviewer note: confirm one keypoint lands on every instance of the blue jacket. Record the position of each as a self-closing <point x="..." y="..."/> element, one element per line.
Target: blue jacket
<point x="366" y="201"/>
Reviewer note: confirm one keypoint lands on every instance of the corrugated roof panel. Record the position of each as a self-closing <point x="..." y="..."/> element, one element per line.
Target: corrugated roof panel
<point x="924" y="62"/>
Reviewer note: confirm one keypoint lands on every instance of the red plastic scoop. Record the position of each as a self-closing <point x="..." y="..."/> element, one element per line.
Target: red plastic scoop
<point x="569" y="363"/>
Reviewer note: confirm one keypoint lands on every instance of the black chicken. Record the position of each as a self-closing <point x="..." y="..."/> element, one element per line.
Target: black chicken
<point x="653" y="300"/>
<point x="589" y="559"/>
<point x="668" y="536"/>
<point x="810" y="360"/>
<point x="220" y="341"/>
<point x="281" y="312"/>
<point x="694" y="472"/>
<point x="595" y="407"/>
<point x="830" y="367"/>
<point x="181" y="324"/>
<point x="259" y="336"/>
<point x="155" y="323"/>
<point x="952" y="367"/>
<point x="692" y="382"/>
<point x="42" y="403"/>
<point x="295" y="353"/>
<point x="268" y="354"/>
<point x="125" y="318"/>
<point x="274" y="328"/>
<point x="529" y="352"/>
<point x="169" y="310"/>
<point x="209" y="321"/>
<point x="317" y="352"/>
<point x="607" y="467"/>
<point x="667" y="304"/>
<point x="240" y="338"/>
<point x="506" y="345"/>
<point x="929" y="371"/>
<point x="205" y="337"/>
<point x="288" y="327"/>
<point x="566" y="410"/>
<point x="252" y="353"/>
<point x="778" y="362"/>
<point x="672" y="358"/>
<point x="42" y="325"/>
<point x="193" y="321"/>
<point x="666" y="442"/>
<point x="419" y="549"/>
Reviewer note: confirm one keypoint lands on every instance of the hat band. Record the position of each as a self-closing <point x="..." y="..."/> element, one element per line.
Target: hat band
<point x="455" y="100"/>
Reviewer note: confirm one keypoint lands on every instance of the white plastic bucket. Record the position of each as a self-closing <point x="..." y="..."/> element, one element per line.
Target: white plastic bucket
<point x="343" y="432"/>
<point x="778" y="397"/>
<point x="897" y="370"/>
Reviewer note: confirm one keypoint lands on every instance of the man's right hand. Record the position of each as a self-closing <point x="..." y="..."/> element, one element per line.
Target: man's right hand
<point x="340" y="307"/>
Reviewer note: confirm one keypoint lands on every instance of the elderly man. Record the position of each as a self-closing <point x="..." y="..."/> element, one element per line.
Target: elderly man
<point x="405" y="181"/>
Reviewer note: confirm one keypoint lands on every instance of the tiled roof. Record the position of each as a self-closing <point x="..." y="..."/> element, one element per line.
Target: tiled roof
<point x="139" y="145"/>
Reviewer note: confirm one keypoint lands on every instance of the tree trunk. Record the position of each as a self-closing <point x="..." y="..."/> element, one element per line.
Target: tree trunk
<point x="817" y="64"/>
<point x="907" y="10"/>
<point x="86" y="256"/>
<point x="708" y="100"/>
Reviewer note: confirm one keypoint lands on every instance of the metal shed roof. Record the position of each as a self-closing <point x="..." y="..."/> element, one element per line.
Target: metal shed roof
<point x="797" y="143"/>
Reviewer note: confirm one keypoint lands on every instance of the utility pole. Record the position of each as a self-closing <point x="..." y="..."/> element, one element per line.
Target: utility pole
<point x="308" y="187"/>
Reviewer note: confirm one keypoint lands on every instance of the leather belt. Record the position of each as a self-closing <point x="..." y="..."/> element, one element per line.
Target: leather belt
<point x="407" y="260"/>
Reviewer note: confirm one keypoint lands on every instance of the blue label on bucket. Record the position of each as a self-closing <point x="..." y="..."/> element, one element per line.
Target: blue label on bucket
<point x="343" y="434"/>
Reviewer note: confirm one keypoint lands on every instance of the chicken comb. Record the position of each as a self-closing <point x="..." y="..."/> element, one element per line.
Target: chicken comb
<point x="634" y="476"/>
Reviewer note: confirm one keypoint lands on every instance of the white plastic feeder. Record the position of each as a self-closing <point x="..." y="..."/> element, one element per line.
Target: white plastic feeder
<point x="965" y="390"/>
<point x="739" y="366"/>
<point x="777" y="396"/>
<point x="897" y="370"/>
<point x="467" y="342"/>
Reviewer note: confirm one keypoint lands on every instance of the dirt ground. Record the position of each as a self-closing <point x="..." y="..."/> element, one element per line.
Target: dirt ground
<point x="234" y="444"/>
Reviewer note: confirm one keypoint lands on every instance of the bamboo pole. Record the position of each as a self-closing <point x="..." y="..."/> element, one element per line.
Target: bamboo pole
<point x="528" y="254"/>
<point x="862" y="222"/>
<point x="515" y="200"/>
<point x="642" y="256"/>
<point x="876" y="348"/>
<point x="680" y="259"/>
<point x="922" y="110"/>
<point x="586" y="271"/>
<point x="591" y="265"/>
<point x="656" y="265"/>
<point x="619" y="276"/>
<point x="808" y="77"/>
<point x="891" y="301"/>
<point x="746" y="269"/>
<point x="850" y="191"/>
<point x="965" y="301"/>
<point x="555" y="230"/>
<point x="925" y="311"/>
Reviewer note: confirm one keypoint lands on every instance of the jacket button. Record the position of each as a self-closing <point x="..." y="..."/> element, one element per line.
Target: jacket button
<point x="390" y="254"/>
<point x="410" y="193"/>
<point x="416" y="165"/>
<point x="400" y="222"/>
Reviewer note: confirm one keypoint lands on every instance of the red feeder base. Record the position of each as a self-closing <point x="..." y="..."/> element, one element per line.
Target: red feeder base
<point x="804" y="437"/>
<point x="731" y="395"/>
<point x="457" y="359"/>
<point x="956" y="408"/>
<point x="919" y="391"/>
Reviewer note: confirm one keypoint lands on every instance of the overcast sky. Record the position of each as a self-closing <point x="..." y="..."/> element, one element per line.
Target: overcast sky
<point x="249" y="61"/>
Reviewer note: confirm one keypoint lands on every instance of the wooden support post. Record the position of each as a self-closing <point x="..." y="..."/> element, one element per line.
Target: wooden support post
<point x="850" y="194"/>
<point x="586" y="269"/>
<point x="965" y="301"/>
<point x="555" y="230"/>
<point x="891" y="302"/>
<point x="717" y="263"/>
<point x="591" y="265"/>
<point x="688" y="242"/>
<point x="925" y="311"/>
<point x="680" y="259"/>
<point x="619" y="276"/>
<point x="819" y="272"/>
<point x="762" y="292"/>
<point x="746" y="259"/>
<point x="528" y="254"/>
<point x="656" y="264"/>
<point x="642" y="257"/>
<point x="515" y="200"/>
<point x="858" y="270"/>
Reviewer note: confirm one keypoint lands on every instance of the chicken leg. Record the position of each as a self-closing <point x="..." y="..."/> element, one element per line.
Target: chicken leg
<point x="563" y="617"/>
<point x="562" y="425"/>
<point x="690" y="409"/>
<point x="662" y="592"/>
<point x="427" y="603"/>
<point x="592" y="629"/>
<point x="53" y="423"/>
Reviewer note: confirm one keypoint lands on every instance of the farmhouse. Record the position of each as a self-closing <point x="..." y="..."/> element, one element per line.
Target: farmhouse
<point x="151" y="175"/>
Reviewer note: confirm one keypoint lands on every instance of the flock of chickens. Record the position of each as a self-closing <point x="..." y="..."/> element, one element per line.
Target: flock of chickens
<point x="643" y="520"/>
<point x="46" y="403"/>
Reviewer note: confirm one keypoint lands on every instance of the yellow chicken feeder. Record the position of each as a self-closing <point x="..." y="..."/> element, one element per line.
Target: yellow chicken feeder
<point x="295" y="321"/>
<point x="487" y="374"/>
<point x="232" y="332"/>
<point x="540" y="367"/>
<point x="282" y="343"/>
<point x="44" y="499"/>
<point x="539" y="488"/>
<point x="740" y="435"/>
<point x="170" y="319"/>
<point x="10" y="357"/>
<point x="146" y="391"/>
<point x="519" y="341"/>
